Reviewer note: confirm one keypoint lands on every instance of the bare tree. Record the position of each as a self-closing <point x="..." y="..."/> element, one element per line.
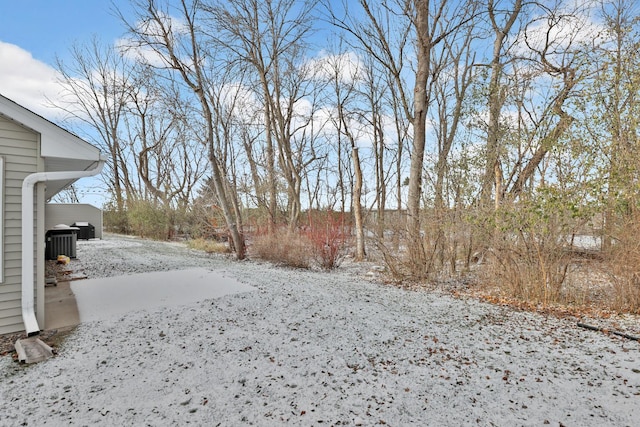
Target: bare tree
<point x="432" y="27"/>
<point x="560" y="59"/>
<point x="167" y="158"/>
<point x="97" y="82"/>
<point x="502" y="19"/>
<point x="612" y="111"/>
<point x="402" y="128"/>
<point x="181" y="48"/>
<point x="373" y="113"/>
<point x="68" y="195"/>
<point x="457" y="59"/>
<point x="385" y="34"/>
<point x="268" y="40"/>
<point x="343" y="84"/>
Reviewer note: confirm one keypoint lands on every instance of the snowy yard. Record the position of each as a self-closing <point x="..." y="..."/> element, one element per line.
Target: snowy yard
<point x="322" y="349"/>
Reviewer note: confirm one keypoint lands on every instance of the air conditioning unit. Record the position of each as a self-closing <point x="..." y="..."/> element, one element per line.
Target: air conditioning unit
<point x="61" y="241"/>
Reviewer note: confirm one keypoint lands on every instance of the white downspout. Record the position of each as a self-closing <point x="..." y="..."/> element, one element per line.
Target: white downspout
<point x="28" y="185"/>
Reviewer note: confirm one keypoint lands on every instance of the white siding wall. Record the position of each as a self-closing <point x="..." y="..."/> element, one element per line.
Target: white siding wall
<point x="19" y="147"/>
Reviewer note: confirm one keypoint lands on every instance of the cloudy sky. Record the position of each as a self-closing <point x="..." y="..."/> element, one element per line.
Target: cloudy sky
<point x="33" y="32"/>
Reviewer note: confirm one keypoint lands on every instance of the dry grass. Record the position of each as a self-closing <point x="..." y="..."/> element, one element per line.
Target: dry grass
<point x="208" y="246"/>
<point x="284" y="248"/>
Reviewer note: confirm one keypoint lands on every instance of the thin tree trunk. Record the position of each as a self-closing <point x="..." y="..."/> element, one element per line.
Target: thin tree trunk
<point x="357" y="206"/>
<point x="493" y="172"/>
<point x="420" y="103"/>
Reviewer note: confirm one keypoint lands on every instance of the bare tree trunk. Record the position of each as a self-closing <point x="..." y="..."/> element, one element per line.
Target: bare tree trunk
<point x="357" y="185"/>
<point x="549" y="141"/>
<point x="493" y="172"/>
<point x="381" y="183"/>
<point x="271" y="158"/>
<point x="565" y="69"/>
<point x="375" y="38"/>
<point x="269" y="37"/>
<point x="420" y="106"/>
<point x="343" y="93"/>
<point x="357" y="206"/>
<point x="273" y="189"/>
<point x="188" y="63"/>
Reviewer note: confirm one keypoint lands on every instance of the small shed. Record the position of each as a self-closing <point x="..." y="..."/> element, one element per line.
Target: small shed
<point x="38" y="159"/>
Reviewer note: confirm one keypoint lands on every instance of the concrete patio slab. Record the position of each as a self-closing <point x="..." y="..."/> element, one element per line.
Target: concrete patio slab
<point x="99" y="299"/>
<point x="61" y="308"/>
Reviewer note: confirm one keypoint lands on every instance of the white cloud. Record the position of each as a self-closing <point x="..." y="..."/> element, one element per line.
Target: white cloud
<point x="561" y="31"/>
<point x="348" y="66"/>
<point x="152" y="32"/>
<point x="134" y="52"/>
<point x="242" y="100"/>
<point x="27" y="81"/>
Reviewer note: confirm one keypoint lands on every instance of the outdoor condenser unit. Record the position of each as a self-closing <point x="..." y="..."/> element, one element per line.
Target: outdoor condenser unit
<point x="86" y="231"/>
<point x="61" y="241"/>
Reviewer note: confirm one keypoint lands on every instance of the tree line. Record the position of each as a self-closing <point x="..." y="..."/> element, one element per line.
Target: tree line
<point x="483" y="124"/>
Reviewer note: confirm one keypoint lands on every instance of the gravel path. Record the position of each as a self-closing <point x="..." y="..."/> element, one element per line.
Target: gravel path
<point x="311" y="348"/>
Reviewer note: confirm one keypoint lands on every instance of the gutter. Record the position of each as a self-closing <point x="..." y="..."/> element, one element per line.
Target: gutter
<point x="28" y="185"/>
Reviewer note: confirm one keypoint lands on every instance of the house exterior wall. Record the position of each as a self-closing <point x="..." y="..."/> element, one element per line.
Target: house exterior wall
<point x="70" y="213"/>
<point x="19" y="148"/>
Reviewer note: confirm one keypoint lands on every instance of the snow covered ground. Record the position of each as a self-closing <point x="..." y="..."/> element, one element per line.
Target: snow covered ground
<point x="311" y="348"/>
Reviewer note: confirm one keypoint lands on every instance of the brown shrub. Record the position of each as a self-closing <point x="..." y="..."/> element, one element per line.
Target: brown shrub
<point x="623" y="262"/>
<point x="282" y="248"/>
<point x="526" y="256"/>
<point x="524" y="268"/>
